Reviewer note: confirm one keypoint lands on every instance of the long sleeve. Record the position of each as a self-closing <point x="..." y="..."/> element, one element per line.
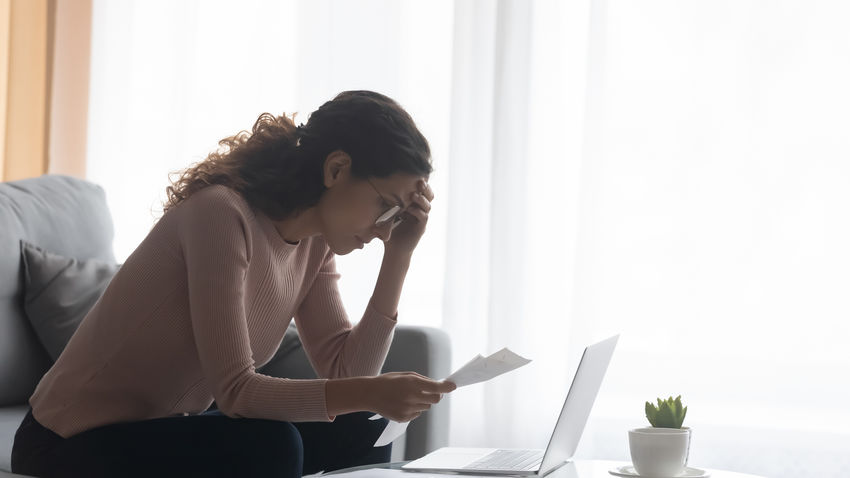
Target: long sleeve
<point x="204" y="299"/>
<point x="334" y="347"/>
<point x="216" y="242"/>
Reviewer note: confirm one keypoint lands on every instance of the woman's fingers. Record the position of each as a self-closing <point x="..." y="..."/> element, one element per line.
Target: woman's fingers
<point x="412" y="416"/>
<point x="418" y="393"/>
<point x="403" y="396"/>
<point x="432" y="398"/>
<point x="440" y="386"/>
<point x="424" y="203"/>
<point x="419" y="199"/>
<point x="425" y="188"/>
<point x="435" y="386"/>
<point x="406" y="415"/>
<point x="418" y="214"/>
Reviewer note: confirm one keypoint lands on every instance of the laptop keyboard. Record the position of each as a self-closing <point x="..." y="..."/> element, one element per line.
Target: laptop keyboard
<point x="508" y="460"/>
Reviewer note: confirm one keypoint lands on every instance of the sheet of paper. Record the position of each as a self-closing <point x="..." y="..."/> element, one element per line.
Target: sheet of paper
<point x="372" y="473"/>
<point x="481" y="369"/>
<point x="393" y="431"/>
<point x="393" y="473"/>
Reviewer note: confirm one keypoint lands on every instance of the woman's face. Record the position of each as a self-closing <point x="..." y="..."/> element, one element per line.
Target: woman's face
<point x="354" y="211"/>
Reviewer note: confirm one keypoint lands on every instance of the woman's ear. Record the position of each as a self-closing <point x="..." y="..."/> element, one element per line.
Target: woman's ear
<point x="337" y="167"/>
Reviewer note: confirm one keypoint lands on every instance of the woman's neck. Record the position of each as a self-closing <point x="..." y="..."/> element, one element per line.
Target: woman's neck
<point x="300" y="226"/>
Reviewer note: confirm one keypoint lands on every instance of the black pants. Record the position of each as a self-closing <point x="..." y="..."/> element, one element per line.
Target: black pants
<point x="208" y="445"/>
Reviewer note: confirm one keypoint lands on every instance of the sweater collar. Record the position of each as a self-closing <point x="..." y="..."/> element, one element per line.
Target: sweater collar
<point x="274" y="236"/>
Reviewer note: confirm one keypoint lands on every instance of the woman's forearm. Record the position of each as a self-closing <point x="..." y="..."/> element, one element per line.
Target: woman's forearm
<point x="390" y="281"/>
<point x="346" y="395"/>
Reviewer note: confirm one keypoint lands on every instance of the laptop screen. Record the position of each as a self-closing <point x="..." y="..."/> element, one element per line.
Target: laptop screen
<point x="576" y="410"/>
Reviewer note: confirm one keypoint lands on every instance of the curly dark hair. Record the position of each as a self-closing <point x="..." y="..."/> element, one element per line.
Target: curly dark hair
<point x="277" y="167"/>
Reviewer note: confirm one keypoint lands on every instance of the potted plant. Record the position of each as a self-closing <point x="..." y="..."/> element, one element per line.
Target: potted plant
<point x="663" y="448"/>
<point x="667" y="414"/>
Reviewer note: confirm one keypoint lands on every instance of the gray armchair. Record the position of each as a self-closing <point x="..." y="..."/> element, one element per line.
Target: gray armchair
<point x="70" y="217"/>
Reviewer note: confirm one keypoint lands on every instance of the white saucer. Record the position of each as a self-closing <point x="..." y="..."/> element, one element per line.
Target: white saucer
<point x="629" y="472"/>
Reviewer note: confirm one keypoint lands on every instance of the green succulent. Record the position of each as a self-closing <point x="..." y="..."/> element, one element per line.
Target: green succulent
<point x="667" y="414"/>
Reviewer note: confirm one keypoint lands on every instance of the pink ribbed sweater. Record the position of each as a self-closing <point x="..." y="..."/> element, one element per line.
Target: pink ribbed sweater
<point x="203" y="301"/>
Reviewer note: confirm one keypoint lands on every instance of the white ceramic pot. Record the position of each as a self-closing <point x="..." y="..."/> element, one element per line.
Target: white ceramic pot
<point x="659" y="452"/>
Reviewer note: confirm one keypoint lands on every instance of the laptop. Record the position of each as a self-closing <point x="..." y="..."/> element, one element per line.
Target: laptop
<point x="562" y="445"/>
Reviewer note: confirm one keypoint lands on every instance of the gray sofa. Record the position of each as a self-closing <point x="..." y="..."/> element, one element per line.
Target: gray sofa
<point x="70" y="217"/>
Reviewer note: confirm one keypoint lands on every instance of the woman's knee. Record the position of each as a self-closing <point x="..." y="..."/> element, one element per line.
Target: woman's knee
<point x="255" y="447"/>
<point x="348" y="441"/>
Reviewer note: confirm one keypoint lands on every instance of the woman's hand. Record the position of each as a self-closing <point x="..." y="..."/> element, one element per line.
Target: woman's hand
<point x="398" y="250"/>
<point x="403" y="396"/>
<point x="399" y="396"/>
<point x="407" y="233"/>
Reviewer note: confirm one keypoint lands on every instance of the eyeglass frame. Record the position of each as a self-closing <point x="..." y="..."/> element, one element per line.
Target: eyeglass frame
<point x="391" y="214"/>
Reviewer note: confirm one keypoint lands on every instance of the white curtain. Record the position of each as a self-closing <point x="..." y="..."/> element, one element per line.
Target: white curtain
<point x="673" y="171"/>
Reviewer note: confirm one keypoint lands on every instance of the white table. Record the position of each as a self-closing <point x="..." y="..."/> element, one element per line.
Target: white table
<point x="575" y="469"/>
<point x="599" y="469"/>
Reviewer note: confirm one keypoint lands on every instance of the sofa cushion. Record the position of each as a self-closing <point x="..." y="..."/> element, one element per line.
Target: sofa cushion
<point x="59" y="291"/>
<point x="64" y="215"/>
<point x="10" y="419"/>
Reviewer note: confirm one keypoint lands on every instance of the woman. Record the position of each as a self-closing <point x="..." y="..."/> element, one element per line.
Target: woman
<point x="247" y="242"/>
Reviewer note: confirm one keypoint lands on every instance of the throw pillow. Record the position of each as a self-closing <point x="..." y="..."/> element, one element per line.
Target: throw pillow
<point x="59" y="291"/>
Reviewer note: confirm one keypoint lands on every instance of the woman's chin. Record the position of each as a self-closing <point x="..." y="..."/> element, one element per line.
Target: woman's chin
<point x="342" y="250"/>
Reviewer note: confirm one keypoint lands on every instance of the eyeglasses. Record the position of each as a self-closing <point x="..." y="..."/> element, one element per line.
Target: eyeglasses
<point x="392" y="215"/>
